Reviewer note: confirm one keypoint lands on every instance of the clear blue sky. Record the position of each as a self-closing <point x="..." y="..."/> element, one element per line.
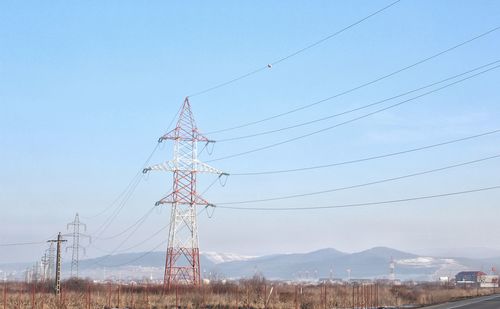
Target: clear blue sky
<point x="87" y="87"/>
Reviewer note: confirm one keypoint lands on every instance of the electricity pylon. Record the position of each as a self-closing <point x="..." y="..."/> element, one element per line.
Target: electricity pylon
<point x="75" y="245"/>
<point x="392" y="275"/>
<point x="45" y="266"/>
<point x="51" y="259"/>
<point x="182" y="265"/>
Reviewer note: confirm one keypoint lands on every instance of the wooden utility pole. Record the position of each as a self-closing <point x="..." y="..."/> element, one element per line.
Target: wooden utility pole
<point x="59" y="240"/>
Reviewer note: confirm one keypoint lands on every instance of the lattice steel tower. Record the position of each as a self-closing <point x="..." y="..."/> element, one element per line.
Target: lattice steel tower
<point x="392" y="275"/>
<point x="182" y="265"/>
<point x="51" y="254"/>
<point x="75" y="245"/>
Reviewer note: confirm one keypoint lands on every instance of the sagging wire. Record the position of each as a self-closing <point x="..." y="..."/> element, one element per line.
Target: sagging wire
<point x="210" y="150"/>
<point x="223" y="179"/>
<point x="219" y="178"/>
<point x="210" y="215"/>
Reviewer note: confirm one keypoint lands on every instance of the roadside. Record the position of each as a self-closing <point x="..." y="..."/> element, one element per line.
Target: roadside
<point x="468" y="302"/>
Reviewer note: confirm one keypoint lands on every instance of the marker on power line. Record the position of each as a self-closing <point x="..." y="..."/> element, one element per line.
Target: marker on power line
<point x="352" y="110"/>
<point x="57" y="283"/>
<point x="294" y="53"/>
<point x="383" y="77"/>
<point x="75" y="246"/>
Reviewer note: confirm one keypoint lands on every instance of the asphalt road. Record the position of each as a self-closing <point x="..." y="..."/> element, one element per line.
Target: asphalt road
<point x="486" y="302"/>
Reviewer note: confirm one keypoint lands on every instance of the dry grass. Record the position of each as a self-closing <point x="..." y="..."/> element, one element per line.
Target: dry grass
<point x="251" y="294"/>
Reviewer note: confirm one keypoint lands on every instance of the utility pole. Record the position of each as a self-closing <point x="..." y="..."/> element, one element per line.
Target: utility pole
<point x="75" y="246"/>
<point x="58" y="241"/>
<point x="182" y="265"/>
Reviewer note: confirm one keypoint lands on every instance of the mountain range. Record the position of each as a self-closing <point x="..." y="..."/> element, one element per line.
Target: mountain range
<point x="373" y="263"/>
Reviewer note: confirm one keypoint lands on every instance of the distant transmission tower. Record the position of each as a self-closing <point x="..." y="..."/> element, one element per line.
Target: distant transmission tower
<point x="45" y="267"/>
<point x="51" y="260"/>
<point x="392" y="275"/>
<point x="75" y="245"/>
<point x="182" y="264"/>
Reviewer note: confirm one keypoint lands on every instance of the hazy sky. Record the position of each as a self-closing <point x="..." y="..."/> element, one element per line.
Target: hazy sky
<point x="87" y="87"/>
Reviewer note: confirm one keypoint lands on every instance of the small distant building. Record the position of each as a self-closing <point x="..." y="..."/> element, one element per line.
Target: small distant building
<point x="361" y="281"/>
<point x="468" y="277"/>
<point x="488" y="281"/>
<point x="389" y="282"/>
<point x="331" y="280"/>
<point x="444" y="280"/>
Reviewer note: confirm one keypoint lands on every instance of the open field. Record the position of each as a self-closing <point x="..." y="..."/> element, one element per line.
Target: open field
<point x="245" y="294"/>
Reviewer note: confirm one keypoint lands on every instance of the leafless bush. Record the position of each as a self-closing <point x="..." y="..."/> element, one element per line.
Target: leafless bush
<point x="254" y="293"/>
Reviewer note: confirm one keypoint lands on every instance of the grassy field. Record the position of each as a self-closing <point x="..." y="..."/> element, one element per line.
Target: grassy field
<point x="244" y="294"/>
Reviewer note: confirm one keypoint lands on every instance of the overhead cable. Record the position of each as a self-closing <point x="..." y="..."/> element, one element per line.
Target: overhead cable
<point x="292" y="196"/>
<point x="295" y="53"/>
<point x="357" y="108"/>
<point x="352" y="119"/>
<point x="359" y="86"/>
<point x="408" y="199"/>
<point x="391" y="154"/>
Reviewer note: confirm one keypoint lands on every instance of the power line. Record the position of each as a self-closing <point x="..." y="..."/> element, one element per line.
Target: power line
<point x="138" y="244"/>
<point x="168" y="225"/>
<point x="360" y="86"/>
<point x="351" y="120"/>
<point x="134" y="180"/>
<point x="409" y="199"/>
<point x="125" y="196"/>
<point x="151" y="236"/>
<point x="307" y="168"/>
<point x="140" y="256"/>
<point x="127" y="188"/>
<point x="268" y="66"/>
<point x="128" y="237"/>
<point x="14" y="244"/>
<point x="147" y="239"/>
<point x="155" y="248"/>
<point x="139" y="221"/>
<point x="25" y="243"/>
<point x="357" y="108"/>
<point x="120" y="245"/>
<point x="291" y="196"/>
<point x="106" y="224"/>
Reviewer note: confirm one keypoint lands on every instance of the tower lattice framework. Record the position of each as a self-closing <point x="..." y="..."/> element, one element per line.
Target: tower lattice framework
<point x="51" y="260"/>
<point x="182" y="265"/>
<point x="76" y="247"/>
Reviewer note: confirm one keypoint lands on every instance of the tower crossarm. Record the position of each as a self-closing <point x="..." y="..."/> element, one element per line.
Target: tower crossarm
<point x="179" y="134"/>
<point x="172" y="198"/>
<point x="197" y="166"/>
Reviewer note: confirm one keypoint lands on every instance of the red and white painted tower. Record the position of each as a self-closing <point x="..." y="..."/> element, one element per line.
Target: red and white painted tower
<point x="182" y="264"/>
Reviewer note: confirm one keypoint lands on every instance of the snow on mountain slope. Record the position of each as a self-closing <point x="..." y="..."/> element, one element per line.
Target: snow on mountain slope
<point x="218" y="258"/>
<point x="420" y="261"/>
<point x="438" y="266"/>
